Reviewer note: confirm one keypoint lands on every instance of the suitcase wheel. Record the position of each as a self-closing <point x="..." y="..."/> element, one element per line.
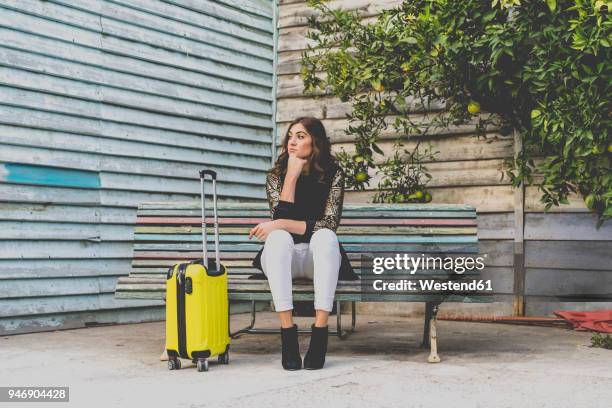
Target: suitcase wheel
<point x="174" y="364"/>
<point x="202" y="365"/>
<point x="223" y="358"/>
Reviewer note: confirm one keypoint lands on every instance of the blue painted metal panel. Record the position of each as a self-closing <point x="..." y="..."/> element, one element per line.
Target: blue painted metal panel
<point x="48" y="176"/>
<point x="107" y="104"/>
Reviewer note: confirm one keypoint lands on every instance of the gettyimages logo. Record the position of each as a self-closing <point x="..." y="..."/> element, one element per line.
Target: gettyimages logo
<point x="412" y="264"/>
<point x="396" y="275"/>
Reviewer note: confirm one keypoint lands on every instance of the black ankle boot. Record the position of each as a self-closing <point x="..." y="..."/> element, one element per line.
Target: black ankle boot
<point x="315" y="357"/>
<point x="291" y="349"/>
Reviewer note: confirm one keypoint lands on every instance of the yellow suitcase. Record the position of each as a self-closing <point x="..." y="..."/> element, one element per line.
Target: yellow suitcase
<point x="197" y="317"/>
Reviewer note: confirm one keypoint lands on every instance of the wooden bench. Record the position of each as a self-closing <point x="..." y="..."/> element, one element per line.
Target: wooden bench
<point x="167" y="233"/>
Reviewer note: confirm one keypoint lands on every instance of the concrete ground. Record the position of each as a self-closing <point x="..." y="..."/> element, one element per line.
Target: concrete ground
<point x="483" y="365"/>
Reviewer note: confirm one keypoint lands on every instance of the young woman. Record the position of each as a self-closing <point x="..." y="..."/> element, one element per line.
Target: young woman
<point x="305" y="190"/>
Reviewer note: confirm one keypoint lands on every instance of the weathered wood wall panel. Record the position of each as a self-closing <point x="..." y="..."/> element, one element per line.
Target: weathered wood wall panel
<point x="107" y="104"/>
<point x="568" y="262"/>
<point x="467" y="170"/>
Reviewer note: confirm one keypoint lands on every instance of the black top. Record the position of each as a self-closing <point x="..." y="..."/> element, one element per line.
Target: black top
<point x="318" y="203"/>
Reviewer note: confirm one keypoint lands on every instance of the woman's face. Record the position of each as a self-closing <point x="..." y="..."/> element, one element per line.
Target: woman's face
<point x="299" y="141"/>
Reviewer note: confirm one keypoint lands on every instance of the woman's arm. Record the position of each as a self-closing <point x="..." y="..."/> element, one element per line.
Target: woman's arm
<point x="295" y="165"/>
<point x="280" y="212"/>
<point x="281" y="203"/>
<point x="333" y="207"/>
<point x="288" y="191"/>
<point x="293" y="226"/>
<point x="278" y="207"/>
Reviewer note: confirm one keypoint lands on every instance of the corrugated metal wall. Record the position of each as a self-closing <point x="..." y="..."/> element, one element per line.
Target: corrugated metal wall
<point x="106" y="104"/>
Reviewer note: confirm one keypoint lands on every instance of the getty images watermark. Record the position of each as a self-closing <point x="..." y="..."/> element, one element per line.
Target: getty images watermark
<point x="387" y="276"/>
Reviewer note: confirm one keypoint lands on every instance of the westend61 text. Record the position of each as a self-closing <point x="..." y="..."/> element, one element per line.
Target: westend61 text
<point x="432" y="285"/>
<point x="411" y="264"/>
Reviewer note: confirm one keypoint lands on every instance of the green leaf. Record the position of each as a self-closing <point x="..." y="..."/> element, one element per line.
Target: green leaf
<point x="552" y="4"/>
<point x="377" y="149"/>
<point x="589" y="201"/>
<point x="599" y="4"/>
<point x="489" y="16"/>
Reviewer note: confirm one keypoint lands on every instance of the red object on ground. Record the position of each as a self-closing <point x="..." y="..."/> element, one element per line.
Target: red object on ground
<point x="599" y="320"/>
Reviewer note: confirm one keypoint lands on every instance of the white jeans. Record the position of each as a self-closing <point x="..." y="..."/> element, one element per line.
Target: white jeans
<point x="319" y="260"/>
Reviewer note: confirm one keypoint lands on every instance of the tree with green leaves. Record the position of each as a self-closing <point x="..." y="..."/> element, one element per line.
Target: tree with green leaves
<point x="540" y="68"/>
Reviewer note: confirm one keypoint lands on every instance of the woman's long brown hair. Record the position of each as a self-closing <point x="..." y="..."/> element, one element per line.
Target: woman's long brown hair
<point x="322" y="159"/>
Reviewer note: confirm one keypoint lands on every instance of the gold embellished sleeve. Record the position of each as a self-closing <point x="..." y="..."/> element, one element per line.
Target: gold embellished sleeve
<point x="278" y="207"/>
<point x="333" y="206"/>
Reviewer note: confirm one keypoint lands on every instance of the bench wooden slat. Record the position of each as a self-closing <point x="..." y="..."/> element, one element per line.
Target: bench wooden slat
<point x="247" y="271"/>
<point x="347" y="207"/>
<point x="140" y="249"/>
<point x="350" y="239"/>
<point x="241" y="258"/>
<point x="342" y="230"/>
<point x="232" y="279"/>
<point x="345" y="214"/>
<point x="380" y="298"/>
<point x="262" y="296"/>
<point x="344" y="221"/>
<point x="161" y="288"/>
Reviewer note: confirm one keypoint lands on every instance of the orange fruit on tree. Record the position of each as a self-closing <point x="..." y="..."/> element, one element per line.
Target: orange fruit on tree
<point x="378" y="86"/>
<point x="361" y="176"/>
<point x="473" y="108"/>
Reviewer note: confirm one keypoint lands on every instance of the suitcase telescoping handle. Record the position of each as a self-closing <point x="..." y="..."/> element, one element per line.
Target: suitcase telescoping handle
<point x="213" y="175"/>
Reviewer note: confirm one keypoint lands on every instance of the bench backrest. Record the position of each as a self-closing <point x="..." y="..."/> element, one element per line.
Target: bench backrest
<point x="167" y="233"/>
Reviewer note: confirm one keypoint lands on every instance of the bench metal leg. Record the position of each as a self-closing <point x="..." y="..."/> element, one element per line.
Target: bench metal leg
<point x="430" y="336"/>
<point x="342" y="334"/>
<point x="245" y="329"/>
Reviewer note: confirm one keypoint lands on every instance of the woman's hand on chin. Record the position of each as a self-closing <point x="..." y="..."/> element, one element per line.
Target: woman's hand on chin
<point x="263" y="229"/>
<point x="295" y="165"/>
